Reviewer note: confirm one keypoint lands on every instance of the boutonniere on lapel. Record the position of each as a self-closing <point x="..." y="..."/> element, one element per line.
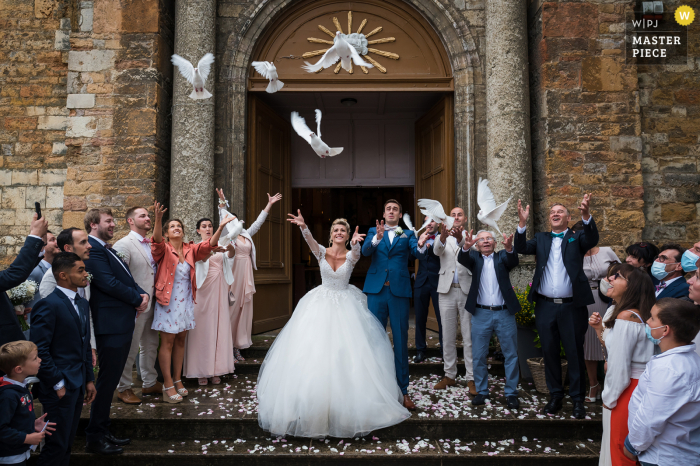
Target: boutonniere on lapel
<point x="572" y="239"/>
<point x="398" y="231"/>
<point x="121" y="255"/>
<point x="89" y="278"/>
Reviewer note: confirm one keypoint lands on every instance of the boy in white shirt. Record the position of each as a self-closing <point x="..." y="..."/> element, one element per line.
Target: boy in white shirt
<point x="664" y="412"/>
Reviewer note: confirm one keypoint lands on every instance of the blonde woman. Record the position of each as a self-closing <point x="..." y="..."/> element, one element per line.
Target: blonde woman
<point x="341" y="382"/>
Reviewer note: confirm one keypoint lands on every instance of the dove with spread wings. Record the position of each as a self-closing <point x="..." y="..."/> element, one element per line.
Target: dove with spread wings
<point x="341" y="50"/>
<point x="269" y="71"/>
<point x="195" y="76"/>
<point x="314" y="140"/>
<point x="489" y="213"/>
<point x="407" y="221"/>
<point x="434" y="210"/>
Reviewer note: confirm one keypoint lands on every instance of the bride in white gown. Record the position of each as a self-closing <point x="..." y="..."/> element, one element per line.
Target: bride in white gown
<point x="330" y="371"/>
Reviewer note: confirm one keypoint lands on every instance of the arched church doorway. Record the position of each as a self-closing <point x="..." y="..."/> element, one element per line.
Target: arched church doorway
<point x="395" y="122"/>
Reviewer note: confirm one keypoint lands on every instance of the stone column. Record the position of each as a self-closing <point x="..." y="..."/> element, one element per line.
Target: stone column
<point x="192" y="160"/>
<point x="509" y="165"/>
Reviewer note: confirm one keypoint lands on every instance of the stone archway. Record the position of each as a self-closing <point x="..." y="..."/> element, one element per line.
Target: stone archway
<point x="231" y="104"/>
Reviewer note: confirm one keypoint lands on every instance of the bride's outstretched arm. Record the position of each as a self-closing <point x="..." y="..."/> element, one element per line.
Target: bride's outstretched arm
<point x="356" y="249"/>
<point x="298" y="220"/>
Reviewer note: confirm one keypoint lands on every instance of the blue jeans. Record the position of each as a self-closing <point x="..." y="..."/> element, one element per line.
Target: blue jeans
<point x="484" y="323"/>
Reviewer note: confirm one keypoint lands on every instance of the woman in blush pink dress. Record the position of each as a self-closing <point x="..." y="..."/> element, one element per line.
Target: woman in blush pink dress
<point x="209" y="348"/>
<point x="243" y="286"/>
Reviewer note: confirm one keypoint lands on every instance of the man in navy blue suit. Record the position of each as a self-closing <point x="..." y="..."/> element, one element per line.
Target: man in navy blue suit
<point x="667" y="269"/>
<point x="61" y="331"/>
<point x="493" y="304"/>
<point x="116" y="302"/>
<point x="561" y="293"/>
<point x="15" y="275"/>
<point x="425" y="289"/>
<point x="388" y="284"/>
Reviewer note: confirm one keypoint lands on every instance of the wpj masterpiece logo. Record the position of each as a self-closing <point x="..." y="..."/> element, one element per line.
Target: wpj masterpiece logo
<point x="654" y="36"/>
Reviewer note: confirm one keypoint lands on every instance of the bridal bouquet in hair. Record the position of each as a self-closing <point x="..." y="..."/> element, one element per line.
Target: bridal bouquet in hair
<point x="21" y="295"/>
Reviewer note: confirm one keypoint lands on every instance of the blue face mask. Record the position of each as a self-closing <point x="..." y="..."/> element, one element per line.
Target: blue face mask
<point x="689" y="261"/>
<point x="648" y="330"/>
<point x="658" y="270"/>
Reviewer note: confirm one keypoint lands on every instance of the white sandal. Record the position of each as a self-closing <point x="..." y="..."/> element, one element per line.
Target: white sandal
<point x="171" y="398"/>
<point x="181" y="391"/>
<point x="590" y="399"/>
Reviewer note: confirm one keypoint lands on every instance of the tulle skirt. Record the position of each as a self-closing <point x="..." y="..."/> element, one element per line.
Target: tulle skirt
<point x="330" y="372"/>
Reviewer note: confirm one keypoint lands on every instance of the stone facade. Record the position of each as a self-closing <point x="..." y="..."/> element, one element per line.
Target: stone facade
<point x="86" y="97"/>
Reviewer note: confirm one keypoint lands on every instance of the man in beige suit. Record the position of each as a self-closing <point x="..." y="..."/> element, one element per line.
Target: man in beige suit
<point x="135" y="250"/>
<point x="453" y="288"/>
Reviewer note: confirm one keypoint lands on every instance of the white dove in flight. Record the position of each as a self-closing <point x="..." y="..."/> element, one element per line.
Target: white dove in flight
<point x="195" y="76"/>
<point x="407" y="221"/>
<point x="320" y="147"/>
<point x="269" y="70"/>
<point x="489" y="213"/>
<point x="341" y="50"/>
<point x="434" y="210"/>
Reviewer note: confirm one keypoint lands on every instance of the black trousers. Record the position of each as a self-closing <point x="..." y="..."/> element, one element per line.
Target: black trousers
<point x="566" y="323"/>
<point x="421" y="299"/>
<point x="65" y="412"/>
<point x="112" y="353"/>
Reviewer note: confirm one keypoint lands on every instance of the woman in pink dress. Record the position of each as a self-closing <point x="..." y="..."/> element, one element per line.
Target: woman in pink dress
<point x="209" y="348"/>
<point x="176" y="292"/>
<point x="243" y="286"/>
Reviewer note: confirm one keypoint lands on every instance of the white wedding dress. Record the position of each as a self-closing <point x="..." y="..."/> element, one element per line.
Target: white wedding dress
<point x="330" y="372"/>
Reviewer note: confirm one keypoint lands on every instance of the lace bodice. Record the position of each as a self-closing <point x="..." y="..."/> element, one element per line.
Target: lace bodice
<point x="335" y="280"/>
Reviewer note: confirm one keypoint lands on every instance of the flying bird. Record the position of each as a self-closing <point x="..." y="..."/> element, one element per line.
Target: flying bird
<point x="231" y="230"/>
<point x="407" y="221"/>
<point x="269" y="70"/>
<point x="341" y="50"/>
<point x="434" y="210"/>
<point x="195" y="76"/>
<point x="489" y="213"/>
<point x="320" y="147"/>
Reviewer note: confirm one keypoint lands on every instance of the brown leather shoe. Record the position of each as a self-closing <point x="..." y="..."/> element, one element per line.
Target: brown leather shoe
<point x="444" y="383"/>
<point x="156" y="389"/>
<point x="472" y="388"/>
<point x="408" y="404"/>
<point x="128" y="397"/>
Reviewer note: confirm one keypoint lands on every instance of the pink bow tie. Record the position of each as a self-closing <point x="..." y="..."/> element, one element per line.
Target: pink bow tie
<point x="661" y="286"/>
<point x="146" y="241"/>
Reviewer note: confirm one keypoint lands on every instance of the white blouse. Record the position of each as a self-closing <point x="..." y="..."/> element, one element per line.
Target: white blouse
<point x="629" y="350"/>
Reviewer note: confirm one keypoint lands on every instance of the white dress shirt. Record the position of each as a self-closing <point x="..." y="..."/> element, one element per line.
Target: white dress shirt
<point x="489" y="291"/>
<point x="389" y="231"/>
<point x="146" y="246"/>
<point x="667" y="282"/>
<point x="110" y="251"/>
<point x="71" y="295"/>
<point x="664" y="411"/>
<point x="555" y="282"/>
<point x="15" y="459"/>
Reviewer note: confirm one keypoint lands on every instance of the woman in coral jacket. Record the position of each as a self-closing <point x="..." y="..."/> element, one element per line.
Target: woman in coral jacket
<point x="176" y="289"/>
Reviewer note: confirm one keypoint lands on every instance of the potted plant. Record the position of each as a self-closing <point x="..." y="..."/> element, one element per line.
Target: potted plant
<point x="527" y="334"/>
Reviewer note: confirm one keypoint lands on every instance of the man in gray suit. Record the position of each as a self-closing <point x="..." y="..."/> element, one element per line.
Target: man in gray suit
<point x="37" y="275"/>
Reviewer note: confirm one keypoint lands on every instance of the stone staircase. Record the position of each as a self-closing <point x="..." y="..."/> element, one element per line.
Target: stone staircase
<point x="218" y="425"/>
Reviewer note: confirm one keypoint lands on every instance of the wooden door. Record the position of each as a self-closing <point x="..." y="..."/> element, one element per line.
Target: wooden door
<point x="269" y="140"/>
<point x="435" y="163"/>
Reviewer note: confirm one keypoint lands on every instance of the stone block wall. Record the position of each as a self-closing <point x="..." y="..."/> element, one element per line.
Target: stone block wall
<point x="670" y="109"/>
<point x="586" y="117"/>
<point x="33" y="116"/>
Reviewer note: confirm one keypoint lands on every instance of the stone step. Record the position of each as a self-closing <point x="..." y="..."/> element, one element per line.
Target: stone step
<point x="224" y="449"/>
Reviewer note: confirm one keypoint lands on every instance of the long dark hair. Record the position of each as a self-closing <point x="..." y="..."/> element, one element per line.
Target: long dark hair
<point x="638" y="295"/>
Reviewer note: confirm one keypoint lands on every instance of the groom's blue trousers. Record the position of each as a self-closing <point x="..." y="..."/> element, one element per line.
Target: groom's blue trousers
<point x="385" y="305"/>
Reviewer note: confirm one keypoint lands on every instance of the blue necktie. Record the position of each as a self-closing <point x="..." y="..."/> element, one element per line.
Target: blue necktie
<point x="556" y="235"/>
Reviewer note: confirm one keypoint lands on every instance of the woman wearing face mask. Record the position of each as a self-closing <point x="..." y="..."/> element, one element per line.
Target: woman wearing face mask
<point x="595" y="265"/>
<point x="209" y="350"/>
<point x="628" y="350"/>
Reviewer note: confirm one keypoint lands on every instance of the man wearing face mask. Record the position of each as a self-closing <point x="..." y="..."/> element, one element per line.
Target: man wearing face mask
<point x="691" y="258"/>
<point x="668" y="270"/>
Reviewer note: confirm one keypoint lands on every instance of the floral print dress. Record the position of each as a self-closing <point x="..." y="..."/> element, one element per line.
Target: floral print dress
<point x="178" y="316"/>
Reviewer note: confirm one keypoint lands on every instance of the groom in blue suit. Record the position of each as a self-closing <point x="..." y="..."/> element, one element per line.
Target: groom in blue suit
<point x="388" y="284"/>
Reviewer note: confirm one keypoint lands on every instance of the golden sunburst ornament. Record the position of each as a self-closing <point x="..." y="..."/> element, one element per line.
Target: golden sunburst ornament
<point x="358" y="40"/>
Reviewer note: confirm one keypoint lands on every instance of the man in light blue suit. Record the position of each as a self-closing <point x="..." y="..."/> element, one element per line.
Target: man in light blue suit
<point x="388" y="284"/>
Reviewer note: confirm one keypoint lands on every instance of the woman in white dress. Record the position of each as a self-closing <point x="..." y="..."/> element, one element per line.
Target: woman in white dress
<point x="330" y="372"/>
<point x="622" y="331"/>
